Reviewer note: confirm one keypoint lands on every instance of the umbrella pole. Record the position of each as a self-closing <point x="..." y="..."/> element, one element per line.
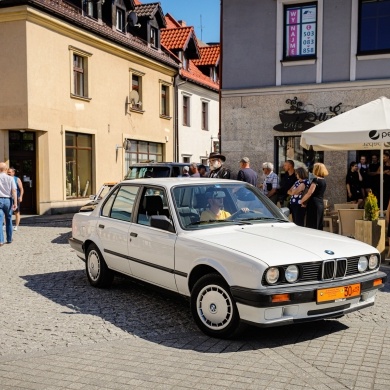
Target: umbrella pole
<point x="381" y="184"/>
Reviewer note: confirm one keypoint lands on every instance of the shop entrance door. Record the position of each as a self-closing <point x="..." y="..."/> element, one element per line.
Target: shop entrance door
<point x="23" y="158"/>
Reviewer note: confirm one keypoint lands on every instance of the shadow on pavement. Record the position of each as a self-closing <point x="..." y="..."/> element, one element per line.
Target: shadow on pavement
<point x="159" y="316"/>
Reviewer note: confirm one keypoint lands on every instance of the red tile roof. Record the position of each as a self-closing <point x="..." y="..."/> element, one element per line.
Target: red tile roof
<point x="73" y="15"/>
<point x="195" y="75"/>
<point x="209" y="55"/>
<point x="171" y="21"/>
<point x="176" y="38"/>
<point x="137" y="2"/>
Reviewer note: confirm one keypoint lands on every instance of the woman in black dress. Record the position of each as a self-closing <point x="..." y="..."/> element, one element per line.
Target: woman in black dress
<point x="315" y="198"/>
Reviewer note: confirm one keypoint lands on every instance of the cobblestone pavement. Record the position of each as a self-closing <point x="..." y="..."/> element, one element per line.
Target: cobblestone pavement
<point x="57" y="332"/>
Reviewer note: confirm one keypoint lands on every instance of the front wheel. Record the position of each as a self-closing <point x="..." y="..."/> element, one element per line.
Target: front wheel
<point x="99" y="275"/>
<point x="213" y="307"/>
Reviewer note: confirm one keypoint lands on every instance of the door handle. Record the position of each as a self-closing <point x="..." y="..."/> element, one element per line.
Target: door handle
<point x="132" y="234"/>
<point x="101" y="226"/>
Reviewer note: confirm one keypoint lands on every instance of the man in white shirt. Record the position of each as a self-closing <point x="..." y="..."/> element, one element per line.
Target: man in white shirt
<point x="7" y="194"/>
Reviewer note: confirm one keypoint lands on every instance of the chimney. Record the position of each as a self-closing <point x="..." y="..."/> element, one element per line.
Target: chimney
<point x="182" y="23"/>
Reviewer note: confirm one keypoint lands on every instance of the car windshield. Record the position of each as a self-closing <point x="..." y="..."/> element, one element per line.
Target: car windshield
<point x="145" y="172"/>
<point x="207" y="206"/>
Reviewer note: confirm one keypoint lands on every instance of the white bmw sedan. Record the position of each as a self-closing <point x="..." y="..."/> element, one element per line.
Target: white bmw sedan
<point x="228" y="248"/>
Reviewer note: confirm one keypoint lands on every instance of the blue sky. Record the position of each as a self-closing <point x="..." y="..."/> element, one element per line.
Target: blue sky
<point x="191" y="11"/>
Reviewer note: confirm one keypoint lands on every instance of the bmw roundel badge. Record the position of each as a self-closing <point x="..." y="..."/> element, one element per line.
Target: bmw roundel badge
<point x="329" y="252"/>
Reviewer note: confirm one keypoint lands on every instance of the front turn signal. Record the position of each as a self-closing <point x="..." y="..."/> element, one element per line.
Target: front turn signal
<point x="280" y="298"/>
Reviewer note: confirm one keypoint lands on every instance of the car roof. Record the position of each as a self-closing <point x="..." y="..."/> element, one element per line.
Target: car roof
<point x="169" y="182"/>
<point x="158" y="164"/>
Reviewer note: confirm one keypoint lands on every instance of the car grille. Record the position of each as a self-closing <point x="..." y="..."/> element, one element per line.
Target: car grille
<point x="322" y="270"/>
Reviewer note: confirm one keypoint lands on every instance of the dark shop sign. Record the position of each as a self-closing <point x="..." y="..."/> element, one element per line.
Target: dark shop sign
<point x="298" y="119"/>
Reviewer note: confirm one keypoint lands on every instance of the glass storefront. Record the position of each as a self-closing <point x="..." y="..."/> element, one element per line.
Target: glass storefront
<point x="78" y="165"/>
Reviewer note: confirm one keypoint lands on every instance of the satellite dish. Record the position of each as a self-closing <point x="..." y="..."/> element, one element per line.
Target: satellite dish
<point x="133" y="19"/>
<point x="134" y="97"/>
<point x="127" y="145"/>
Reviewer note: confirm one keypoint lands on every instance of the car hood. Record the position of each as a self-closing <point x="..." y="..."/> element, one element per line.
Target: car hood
<point x="285" y="243"/>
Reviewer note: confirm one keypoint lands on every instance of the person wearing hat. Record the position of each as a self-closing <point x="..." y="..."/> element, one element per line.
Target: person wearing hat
<point x="215" y="211"/>
<point x="217" y="170"/>
<point x="246" y="173"/>
<point x="185" y="172"/>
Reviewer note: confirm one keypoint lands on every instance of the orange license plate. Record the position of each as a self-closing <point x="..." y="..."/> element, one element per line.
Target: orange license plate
<point x="336" y="293"/>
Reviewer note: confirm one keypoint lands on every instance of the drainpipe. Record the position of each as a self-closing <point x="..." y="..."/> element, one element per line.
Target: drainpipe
<point x="177" y="85"/>
<point x="220" y="73"/>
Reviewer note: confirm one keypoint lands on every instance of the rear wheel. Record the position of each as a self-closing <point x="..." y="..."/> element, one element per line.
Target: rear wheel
<point x="99" y="275"/>
<point x="213" y="307"/>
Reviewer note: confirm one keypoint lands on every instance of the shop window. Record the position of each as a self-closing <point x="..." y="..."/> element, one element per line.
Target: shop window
<point x="78" y="148"/>
<point x="186" y="111"/>
<point x="142" y="151"/>
<point x="374" y="26"/>
<point x="289" y="148"/>
<point x="300" y="31"/>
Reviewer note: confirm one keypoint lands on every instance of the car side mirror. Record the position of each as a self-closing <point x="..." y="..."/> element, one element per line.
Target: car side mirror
<point x="161" y="222"/>
<point x="285" y="211"/>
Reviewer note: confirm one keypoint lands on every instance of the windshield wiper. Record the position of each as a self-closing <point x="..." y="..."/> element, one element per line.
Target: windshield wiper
<point x="238" y="222"/>
<point x="264" y="219"/>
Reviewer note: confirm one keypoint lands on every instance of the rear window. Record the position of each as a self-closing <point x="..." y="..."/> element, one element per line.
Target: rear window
<point x="144" y="172"/>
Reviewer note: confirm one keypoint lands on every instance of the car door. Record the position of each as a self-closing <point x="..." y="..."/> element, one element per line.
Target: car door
<point x="152" y="250"/>
<point x="113" y="227"/>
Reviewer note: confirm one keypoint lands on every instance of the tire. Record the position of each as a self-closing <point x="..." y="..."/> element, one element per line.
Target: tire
<point x="98" y="274"/>
<point x="213" y="307"/>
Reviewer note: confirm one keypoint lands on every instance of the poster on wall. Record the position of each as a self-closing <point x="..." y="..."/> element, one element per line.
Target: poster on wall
<point x="301" y="31"/>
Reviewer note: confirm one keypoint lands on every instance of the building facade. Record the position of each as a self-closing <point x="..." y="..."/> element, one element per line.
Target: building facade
<point x="289" y="65"/>
<point x="197" y="91"/>
<point x="86" y="90"/>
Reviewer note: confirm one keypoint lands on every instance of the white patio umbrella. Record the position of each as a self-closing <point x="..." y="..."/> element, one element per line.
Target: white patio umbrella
<point x="366" y="127"/>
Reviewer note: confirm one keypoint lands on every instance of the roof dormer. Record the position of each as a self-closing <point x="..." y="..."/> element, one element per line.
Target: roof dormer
<point x="150" y="21"/>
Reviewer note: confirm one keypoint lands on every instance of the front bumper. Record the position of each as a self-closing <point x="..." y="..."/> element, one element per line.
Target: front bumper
<point x="256" y="306"/>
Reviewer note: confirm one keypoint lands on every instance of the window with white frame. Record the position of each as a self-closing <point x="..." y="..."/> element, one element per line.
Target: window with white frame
<point x="90" y="8"/>
<point x="300" y="31"/>
<point x="79" y="73"/>
<point x="120" y="19"/>
<point x="205" y="116"/>
<point x="374" y="27"/>
<point x="154" y="37"/>
<point x="186" y="110"/>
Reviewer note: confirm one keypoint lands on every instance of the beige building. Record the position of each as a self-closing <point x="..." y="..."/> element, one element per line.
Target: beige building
<point x="84" y="92"/>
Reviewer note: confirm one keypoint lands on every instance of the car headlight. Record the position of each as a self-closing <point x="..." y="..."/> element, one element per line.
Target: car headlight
<point x="291" y="274"/>
<point x="272" y="275"/>
<point x="373" y="262"/>
<point x="362" y="264"/>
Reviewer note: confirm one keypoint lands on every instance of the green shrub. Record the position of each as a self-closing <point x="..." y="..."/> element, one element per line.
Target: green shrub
<point x="371" y="209"/>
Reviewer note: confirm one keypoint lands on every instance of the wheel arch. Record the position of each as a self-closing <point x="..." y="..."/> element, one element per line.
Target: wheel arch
<point x="199" y="271"/>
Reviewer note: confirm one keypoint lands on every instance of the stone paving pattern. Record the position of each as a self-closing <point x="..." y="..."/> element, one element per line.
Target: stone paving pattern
<point x="58" y="332"/>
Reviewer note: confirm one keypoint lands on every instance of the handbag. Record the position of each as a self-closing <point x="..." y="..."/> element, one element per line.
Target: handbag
<point x="303" y="193"/>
